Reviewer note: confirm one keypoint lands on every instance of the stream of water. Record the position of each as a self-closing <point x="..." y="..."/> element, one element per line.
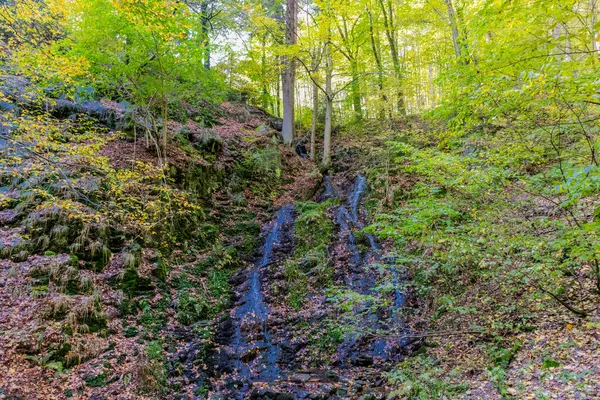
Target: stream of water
<point x="257" y="354"/>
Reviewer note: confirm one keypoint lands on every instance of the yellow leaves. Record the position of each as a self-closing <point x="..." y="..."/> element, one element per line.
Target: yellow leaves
<point x="569" y="327"/>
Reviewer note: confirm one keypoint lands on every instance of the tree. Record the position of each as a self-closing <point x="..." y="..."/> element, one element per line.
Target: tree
<point x="289" y="73"/>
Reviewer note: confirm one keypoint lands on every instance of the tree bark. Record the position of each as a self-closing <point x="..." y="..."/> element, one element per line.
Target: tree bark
<point x="315" y="114"/>
<point x="289" y="74"/>
<point x="351" y="49"/>
<point x="454" y="27"/>
<point x="328" y="107"/>
<point x="205" y="37"/>
<point x="388" y="23"/>
<point x="355" y="90"/>
<point x="378" y="63"/>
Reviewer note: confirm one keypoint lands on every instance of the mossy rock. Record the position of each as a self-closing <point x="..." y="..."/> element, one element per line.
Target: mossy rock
<point x="96" y="380"/>
<point x="130" y="331"/>
<point x="132" y="283"/>
<point x="208" y="141"/>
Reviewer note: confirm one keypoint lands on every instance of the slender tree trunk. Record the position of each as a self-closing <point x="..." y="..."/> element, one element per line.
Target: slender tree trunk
<point x="263" y="73"/>
<point x="165" y="129"/>
<point x="388" y="22"/>
<point x="375" y="49"/>
<point x="289" y="75"/>
<point x="355" y="90"/>
<point x="315" y="114"/>
<point x="278" y="97"/>
<point x="454" y="27"/>
<point x="205" y="34"/>
<point x="593" y="33"/>
<point x="431" y="87"/>
<point x="328" y="107"/>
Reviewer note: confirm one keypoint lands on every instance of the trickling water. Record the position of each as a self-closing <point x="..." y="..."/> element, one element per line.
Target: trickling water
<point x="256" y="352"/>
<point x="342" y="218"/>
<point x="354" y="347"/>
<point x="354" y="200"/>
<point x="329" y="191"/>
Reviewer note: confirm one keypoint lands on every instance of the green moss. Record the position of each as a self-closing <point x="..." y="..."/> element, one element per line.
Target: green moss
<point x="130" y="331"/>
<point x="154" y="350"/>
<point x="314" y="232"/>
<point x="153" y="317"/>
<point x="132" y="283"/>
<point x="297" y="285"/>
<point x="192" y="306"/>
<point x="96" y="380"/>
<point x="39" y="290"/>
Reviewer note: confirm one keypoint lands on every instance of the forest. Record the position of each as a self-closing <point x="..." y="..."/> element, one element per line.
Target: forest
<point x="299" y="199"/>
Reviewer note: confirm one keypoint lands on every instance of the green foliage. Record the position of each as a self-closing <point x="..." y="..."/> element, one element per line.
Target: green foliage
<point x="263" y="168"/>
<point x="314" y="233"/>
<point x="96" y="380"/>
<point x="420" y="377"/>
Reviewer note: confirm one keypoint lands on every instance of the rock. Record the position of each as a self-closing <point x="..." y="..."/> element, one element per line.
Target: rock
<point x="327" y="388"/>
<point x="9" y="216"/>
<point x="270" y="394"/>
<point x="277" y="124"/>
<point x="220" y="362"/>
<point x="300" y="378"/>
<point x="9" y="107"/>
<point x="301" y="150"/>
<point x="363" y="360"/>
<point x="368" y="396"/>
<point x="262" y="128"/>
<point x="208" y="140"/>
<point x="250" y="354"/>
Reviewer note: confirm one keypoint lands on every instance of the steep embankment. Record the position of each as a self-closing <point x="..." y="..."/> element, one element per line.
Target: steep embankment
<point x="228" y="272"/>
<point x="110" y="260"/>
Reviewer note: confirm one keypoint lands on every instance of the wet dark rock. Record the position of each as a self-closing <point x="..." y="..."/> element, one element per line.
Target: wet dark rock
<point x="289" y="351"/>
<point x="220" y="362"/>
<point x="318" y="396"/>
<point x="277" y="124"/>
<point x="301" y="150"/>
<point x="250" y="355"/>
<point x="270" y="394"/>
<point x="299" y="378"/>
<point x="301" y="394"/>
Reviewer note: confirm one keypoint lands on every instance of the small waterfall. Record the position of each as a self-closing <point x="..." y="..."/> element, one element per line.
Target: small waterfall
<point x="363" y="281"/>
<point x="257" y="354"/>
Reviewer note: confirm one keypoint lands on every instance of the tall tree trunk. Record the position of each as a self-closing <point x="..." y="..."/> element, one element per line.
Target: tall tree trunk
<point x="263" y="73"/>
<point x="431" y="87"/>
<point x="355" y="90"/>
<point x="205" y="36"/>
<point x="378" y="63"/>
<point x="165" y="128"/>
<point x="388" y="23"/>
<point x="289" y="75"/>
<point x="278" y="97"/>
<point x="315" y="114"/>
<point x="454" y="27"/>
<point x="328" y="107"/>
